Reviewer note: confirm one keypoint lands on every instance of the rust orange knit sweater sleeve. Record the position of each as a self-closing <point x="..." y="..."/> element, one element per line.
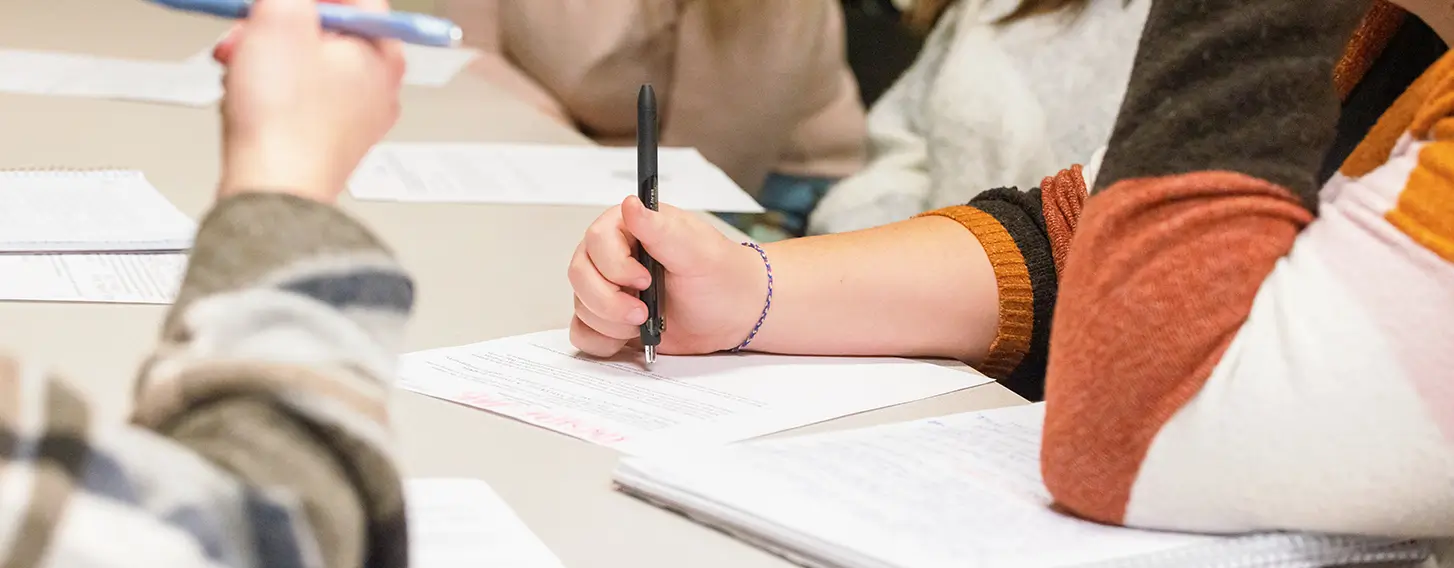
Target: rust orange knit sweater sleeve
<point x="1209" y="177"/>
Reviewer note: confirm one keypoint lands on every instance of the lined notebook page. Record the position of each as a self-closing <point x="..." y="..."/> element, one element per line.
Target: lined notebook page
<point x="960" y="491"/>
<point x="88" y="211"/>
<point x="952" y="492"/>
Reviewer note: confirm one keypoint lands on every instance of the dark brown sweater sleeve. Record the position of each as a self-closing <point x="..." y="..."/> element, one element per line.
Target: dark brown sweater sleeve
<point x="1025" y="235"/>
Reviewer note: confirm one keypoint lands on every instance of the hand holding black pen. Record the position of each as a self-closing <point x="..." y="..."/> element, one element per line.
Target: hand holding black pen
<point x="646" y="180"/>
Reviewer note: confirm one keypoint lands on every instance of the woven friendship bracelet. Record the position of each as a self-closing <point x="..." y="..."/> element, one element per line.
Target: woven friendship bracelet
<point x="766" y="306"/>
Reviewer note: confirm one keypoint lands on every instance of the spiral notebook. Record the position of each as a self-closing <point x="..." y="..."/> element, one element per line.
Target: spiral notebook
<point x="961" y="491"/>
<point x="52" y="211"/>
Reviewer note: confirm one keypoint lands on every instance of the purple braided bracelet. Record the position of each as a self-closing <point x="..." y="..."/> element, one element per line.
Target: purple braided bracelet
<point x="767" y="306"/>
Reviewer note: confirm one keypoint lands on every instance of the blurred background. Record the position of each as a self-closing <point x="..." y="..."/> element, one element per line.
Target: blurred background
<point x="878" y="47"/>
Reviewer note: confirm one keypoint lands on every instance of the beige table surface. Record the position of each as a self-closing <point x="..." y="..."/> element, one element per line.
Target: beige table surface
<point x="483" y="271"/>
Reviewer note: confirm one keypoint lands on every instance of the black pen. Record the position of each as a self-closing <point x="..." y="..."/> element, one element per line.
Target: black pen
<point x="646" y="190"/>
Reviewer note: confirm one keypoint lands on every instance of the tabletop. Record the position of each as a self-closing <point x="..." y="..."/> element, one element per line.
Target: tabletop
<point x="484" y="271"/>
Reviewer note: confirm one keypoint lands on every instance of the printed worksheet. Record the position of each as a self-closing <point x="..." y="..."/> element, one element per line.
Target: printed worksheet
<point x="540" y="174"/>
<point x="457" y="523"/>
<point x="88" y="211"/>
<point x="681" y="401"/>
<point x="103" y="278"/>
<point x="75" y="75"/>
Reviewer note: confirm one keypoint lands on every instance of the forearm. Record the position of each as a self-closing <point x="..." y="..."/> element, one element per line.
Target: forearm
<point x="918" y="288"/>
<point x="976" y="282"/>
<point x="277" y="362"/>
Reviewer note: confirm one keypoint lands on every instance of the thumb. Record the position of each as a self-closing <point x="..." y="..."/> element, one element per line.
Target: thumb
<point x="285" y="16"/>
<point x="667" y="234"/>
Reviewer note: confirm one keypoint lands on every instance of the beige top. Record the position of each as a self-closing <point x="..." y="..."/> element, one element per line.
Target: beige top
<point x="771" y="94"/>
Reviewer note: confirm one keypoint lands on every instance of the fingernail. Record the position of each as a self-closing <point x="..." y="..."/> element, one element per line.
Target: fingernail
<point x="638" y="315"/>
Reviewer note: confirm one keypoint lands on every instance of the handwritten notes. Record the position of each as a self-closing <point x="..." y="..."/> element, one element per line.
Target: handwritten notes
<point x="75" y="75"/>
<point x="539" y="174"/>
<point x="457" y="523"/>
<point x="682" y="401"/>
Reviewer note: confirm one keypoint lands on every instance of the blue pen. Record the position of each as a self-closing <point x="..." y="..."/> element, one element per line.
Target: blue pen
<point x="404" y="26"/>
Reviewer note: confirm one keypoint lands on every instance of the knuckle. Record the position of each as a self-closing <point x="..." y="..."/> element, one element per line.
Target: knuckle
<point x="599" y="232"/>
<point x="576" y="273"/>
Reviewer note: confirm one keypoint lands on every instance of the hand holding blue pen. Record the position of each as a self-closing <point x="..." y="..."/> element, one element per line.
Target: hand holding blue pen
<point x="407" y="27"/>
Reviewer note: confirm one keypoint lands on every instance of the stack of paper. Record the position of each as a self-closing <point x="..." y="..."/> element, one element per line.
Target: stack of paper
<point x="72" y="75"/>
<point x="680" y="402"/>
<point x="454" y="523"/>
<point x="89" y="236"/>
<point x="540" y="174"/>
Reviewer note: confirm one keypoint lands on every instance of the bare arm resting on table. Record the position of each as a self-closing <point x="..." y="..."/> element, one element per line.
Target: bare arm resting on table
<point x="974" y="282"/>
<point x="261" y="435"/>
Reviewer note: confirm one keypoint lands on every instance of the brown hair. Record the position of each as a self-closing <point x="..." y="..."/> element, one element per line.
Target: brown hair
<point x="925" y="13"/>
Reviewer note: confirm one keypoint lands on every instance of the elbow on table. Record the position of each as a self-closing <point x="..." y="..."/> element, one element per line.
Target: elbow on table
<point x="1222" y="471"/>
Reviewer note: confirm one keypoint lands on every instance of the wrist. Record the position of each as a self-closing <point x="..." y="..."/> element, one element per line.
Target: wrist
<point x="754" y="282"/>
<point x="278" y="168"/>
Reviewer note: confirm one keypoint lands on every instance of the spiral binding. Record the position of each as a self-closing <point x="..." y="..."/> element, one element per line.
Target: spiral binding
<point x="1283" y="550"/>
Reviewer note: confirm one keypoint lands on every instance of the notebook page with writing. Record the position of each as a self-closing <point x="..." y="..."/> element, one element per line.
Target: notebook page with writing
<point x="541" y="379"/>
<point x="88" y="211"/>
<point x="958" y="491"/>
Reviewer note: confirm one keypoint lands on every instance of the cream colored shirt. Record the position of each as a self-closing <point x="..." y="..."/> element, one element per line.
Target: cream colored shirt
<point x="987" y="106"/>
<point x="773" y="94"/>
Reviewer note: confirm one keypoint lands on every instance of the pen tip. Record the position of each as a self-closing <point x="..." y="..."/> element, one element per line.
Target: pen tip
<point x="650" y="354"/>
<point x="456" y="36"/>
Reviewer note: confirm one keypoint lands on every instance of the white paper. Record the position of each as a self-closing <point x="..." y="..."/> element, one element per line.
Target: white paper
<point x="424" y="66"/>
<point x="682" y="401"/>
<point x="462" y="523"/>
<point x="108" y="278"/>
<point x="953" y="492"/>
<point x="435" y="66"/>
<point x="540" y="174"/>
<point x="90" y="211"/>
<point x="73" y="75"/>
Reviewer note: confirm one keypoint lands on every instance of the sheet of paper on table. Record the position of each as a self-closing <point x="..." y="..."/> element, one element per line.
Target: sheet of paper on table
<point x="459" y="523"/>
<point x="682" y="401"/>
<point x="88" y="211"/>
<point x="101" y="278"/>
<point x="540" y="174"/>
<point x="424" y="66"/>
<point x="75" y="75"/>
<point x="435" y="66"/>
